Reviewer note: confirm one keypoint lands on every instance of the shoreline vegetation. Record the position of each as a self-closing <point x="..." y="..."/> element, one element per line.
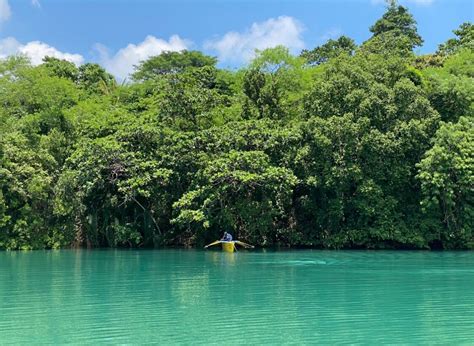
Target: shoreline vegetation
<point x="343" y="146"/>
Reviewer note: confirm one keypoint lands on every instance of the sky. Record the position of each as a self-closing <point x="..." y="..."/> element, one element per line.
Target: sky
<point x="119" y="34"/>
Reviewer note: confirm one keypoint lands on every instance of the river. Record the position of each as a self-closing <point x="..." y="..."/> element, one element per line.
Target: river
<point x="257" y="297"/>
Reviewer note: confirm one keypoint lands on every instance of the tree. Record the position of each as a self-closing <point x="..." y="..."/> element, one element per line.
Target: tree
<point x="171" y="63"/>
<point x="94" y="79"/>
<point x="26" y="180"/>
<point x="273" y="84"/>
<point x="61" y="68"/>
<point x="464" y="40"/>
<point x="192" y="99"/>
<point x="240" y="191"/>
<point x="379" y="123"/>
<point x="450" y="88"/>
<point x="447" y="179"/>
<point x="331" y="49"/>
<point x="396" y="30"/>
<point x="12" y="66"/>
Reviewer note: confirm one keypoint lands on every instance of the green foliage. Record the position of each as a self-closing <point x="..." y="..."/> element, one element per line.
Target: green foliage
<point x="331" y="49"/>
<point x="464" y="40"/>
<point x="171" y="63"/>
<point x="26" y="185"/>
<point x="398" y="23"/>
<point x="33" y="91"/>
<point x="451" y="88"/>
<point x="189" y="101"/>
<point x="428" y="60"/>
<point x="93" y="79"/>
<point x="273" y="84"/>
<point x="61" y="68"/>
<point x="242" y="193"/>
<point x="447" y="180"/>
<point x="342" y="147"/>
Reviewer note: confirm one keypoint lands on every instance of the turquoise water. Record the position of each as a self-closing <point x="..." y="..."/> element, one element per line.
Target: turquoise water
<point x="198" y="297"/>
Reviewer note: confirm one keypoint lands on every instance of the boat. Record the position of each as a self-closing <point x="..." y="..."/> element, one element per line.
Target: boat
<point x="229" y="246"/>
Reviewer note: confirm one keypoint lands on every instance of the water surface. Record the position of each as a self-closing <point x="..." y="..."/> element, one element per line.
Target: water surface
<point x="192" y="297"/>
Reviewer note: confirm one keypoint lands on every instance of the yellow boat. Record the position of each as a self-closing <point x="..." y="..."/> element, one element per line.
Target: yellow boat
<point x="229" y="246"/>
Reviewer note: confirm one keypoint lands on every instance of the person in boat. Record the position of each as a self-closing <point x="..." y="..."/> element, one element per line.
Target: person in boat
<point x="226" y="237"/>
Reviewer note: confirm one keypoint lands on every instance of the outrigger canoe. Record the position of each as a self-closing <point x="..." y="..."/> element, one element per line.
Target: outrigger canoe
<point x="229" y="246"/>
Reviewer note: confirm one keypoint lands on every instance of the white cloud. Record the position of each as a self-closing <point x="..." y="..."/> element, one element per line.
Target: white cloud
<point x="36" y="51"/>
<point x="121" y="64"/>
<point x="8" y="46"/>
<point x="36" y="3"/>
<point x="416" y="2"/>
<point x="240" y="47"/>
<point x="5" y="11"/>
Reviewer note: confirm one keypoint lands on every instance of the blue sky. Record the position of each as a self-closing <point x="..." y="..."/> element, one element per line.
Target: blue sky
<point x="120" y="33"/>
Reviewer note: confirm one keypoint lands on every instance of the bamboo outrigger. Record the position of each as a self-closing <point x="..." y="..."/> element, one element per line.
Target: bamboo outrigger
<point x="229" y="246"/>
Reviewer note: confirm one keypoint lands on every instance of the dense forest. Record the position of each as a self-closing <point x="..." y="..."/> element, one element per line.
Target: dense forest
<point x="342" y="146"/>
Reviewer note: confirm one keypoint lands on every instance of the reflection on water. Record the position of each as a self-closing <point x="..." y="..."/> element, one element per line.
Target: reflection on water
<point x="299" y="297"/>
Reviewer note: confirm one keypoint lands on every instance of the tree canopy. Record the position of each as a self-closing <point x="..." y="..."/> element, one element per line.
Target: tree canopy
<point x="399" y="23"/>
<point x="331" y="49"/>
<point x="171" y="63"/>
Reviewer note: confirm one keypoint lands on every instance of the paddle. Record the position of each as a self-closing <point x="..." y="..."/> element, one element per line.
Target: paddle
<point x="213" y="243"/>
